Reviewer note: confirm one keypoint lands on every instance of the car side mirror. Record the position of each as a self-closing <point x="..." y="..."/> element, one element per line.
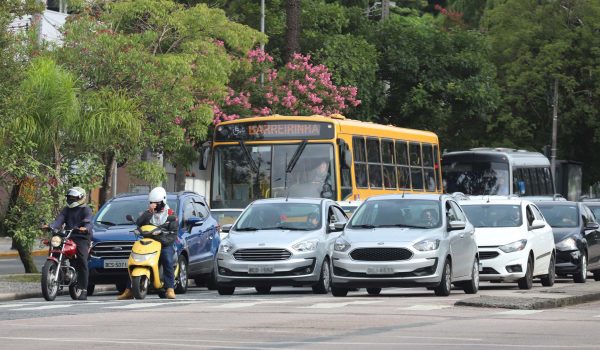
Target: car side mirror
<point x="129" y="218"/>
<point x="537" y="224"/>
<point x="592" y="226"/>
<point x="226" y="228"/>
<point x="194" y="221"/>
<point x="337" y="226"/>
<point x="456" y="225"/>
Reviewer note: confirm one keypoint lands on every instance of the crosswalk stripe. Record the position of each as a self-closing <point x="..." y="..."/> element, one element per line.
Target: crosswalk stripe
<point x="422" y="307"/>
<point x="12" y="305"/>
<point x="338" y="304"/>
<point x="518" y="312"/>
<point x="136" y="306"/>
<point x="44" y="307"/>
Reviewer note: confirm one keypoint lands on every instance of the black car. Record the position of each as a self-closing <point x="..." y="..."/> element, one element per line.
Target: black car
<point x="576" y="236"/>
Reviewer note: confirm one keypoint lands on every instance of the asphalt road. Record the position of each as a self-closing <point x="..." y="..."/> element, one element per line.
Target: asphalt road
<point x="10" y="266"/>
<point x="293" y="318"/>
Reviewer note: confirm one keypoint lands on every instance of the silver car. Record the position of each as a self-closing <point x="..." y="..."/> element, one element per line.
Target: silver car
<point x="278" y="242"/>
<point x="406" y="241"/>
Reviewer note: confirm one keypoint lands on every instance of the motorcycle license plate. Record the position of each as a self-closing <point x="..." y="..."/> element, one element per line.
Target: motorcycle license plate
<point x="380" y="270"/>
<point x="260" y="270"/>
<point x="115" y="264"/>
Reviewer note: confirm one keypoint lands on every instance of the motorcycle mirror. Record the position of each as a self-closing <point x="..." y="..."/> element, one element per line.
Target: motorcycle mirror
<point x="171" y="218"/>
<point x="129" y="217"/>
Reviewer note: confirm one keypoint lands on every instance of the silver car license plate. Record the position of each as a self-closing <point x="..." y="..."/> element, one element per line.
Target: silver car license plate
<point x="115" y="264"/>
<point x="380" y="270"/>
<point x="260" y="269"/>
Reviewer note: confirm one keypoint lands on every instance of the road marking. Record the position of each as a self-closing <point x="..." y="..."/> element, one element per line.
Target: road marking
<point x="518" y="312"/>
<point x="422" y="307"/>
<point x="249" y="304"/>
<point x="12" y="305"/>
<point x="136" y="306"/>
<point x="44" y="307"/>
<point x="338" y="304"/>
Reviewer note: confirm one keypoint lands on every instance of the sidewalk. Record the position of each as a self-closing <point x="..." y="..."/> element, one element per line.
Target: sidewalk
<point x="6" y="252"/>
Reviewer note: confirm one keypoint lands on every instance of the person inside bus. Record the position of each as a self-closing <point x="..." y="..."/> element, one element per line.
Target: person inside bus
<point x="320" y="180"/>
<point x="501" y="187"/>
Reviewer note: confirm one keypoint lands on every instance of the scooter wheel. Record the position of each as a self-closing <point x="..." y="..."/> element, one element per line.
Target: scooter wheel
<point x="139" y="286"/>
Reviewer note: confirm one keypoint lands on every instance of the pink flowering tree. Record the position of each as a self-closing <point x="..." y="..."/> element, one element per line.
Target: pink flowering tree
<point x="298" y="88"/>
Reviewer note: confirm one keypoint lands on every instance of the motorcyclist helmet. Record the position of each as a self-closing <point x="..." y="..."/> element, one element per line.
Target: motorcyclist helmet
<point x="75" y="197"/>
<point x="158" y="195"/>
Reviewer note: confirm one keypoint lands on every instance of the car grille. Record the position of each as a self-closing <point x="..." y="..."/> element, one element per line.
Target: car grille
<point x="381" y="254"/>
<point x="488" y="255"/>
<point x="262" y="254"/>
<point x="112" y="250"/>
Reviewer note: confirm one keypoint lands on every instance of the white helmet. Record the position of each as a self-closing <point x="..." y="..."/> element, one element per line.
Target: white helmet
<point x="75" y="197"/>
<point x="158" y="194"/>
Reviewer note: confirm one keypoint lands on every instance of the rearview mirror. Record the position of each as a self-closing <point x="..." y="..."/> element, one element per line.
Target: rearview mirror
<point x="337" y="226"/>
<point x="194" y="221"/>
<point x="537" y="224"/>
<point x="204" y="156"/>
<point x="456" y="225"/>
<point x="226" y="228"/>
<point x="592" y="226"/>
<point x="129" y="218"/>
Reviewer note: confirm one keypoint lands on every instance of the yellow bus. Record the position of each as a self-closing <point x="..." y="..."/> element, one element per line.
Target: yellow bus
<point x="316" y="156"/>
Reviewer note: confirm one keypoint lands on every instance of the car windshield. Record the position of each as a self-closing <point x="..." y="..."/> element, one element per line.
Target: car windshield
<point x="226" y="217"/>
<point x="114" y="212"/>
<point x="412" y="213"/>
<point x="559" y="216"/>
<point x="596" y="211"/>
<point x="486" y="215"/>
<point x="280" y="215"/>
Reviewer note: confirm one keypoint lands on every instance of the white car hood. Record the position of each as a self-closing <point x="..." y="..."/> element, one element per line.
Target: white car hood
<point x="497" y="236"/>
<point x="269" y="238"/>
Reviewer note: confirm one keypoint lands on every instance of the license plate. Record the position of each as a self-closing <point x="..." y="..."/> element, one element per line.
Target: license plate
<point x="260" y="270"/>
<point x="380" y="270"/>
<point x="115" y="264"/>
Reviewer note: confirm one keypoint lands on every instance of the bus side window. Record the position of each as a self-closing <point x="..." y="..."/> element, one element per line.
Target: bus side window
<point x="360" y="162"/>
<point x="374" y="159"/>
<point x="402" y="166"/>
<point x="389" y="170"/>
<point x="416" y="166"/>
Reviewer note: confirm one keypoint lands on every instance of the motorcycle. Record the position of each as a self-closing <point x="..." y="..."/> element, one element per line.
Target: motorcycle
<point x="58" y="271"/>
<point x="143" y="264"/>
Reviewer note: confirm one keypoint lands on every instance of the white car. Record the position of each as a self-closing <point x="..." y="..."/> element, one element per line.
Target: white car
<point x="514" y="240"/>
<point x="350" y="207"/>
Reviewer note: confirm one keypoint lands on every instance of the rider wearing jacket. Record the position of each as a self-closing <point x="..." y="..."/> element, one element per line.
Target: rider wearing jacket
<point x="77" y="215"/>
<point x="157" y="214"/>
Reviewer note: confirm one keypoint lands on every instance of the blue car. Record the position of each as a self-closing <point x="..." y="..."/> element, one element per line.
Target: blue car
<point x="197" y="243"/>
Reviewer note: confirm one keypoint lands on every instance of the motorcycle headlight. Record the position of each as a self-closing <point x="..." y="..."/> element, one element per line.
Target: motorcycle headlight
<point x="306" y="246"/>
<point x="226" y="247"/>
<point x="427" y="245"/>
<point x="143" y="257"/>
<point x="56" y="241"/>
<point x="341" y="245"/>
<point x="514" y="246"/>
<point x="567" y="244"/>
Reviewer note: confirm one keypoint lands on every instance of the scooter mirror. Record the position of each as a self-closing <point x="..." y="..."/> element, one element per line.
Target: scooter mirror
<point x="171" y="218"/>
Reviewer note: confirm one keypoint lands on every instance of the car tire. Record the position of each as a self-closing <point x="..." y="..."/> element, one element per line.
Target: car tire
<point x="211" y="282"/>
<point x="445" y="286"/>
<point x="527" y="281"/>
<point x="548" y="280"/>
<point x="90" y="289"/>
<point x="120" y="286"/>
<point x="339" y="292"/>
<point x="225" y="290"/>
<point x="181" y="280"/>
<point x="581" y="276"/>
<point x="374" y="291"/>
<point x="472" y="286"/>
<point x="324" y="284"/>
<point x="596" y="275"/>
<point x="263" y="289"/>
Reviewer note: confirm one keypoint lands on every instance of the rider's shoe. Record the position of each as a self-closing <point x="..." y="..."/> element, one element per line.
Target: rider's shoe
<point x="127" y="294"/>
<point x="170" y="293"/>
<point x="83" y="295"/>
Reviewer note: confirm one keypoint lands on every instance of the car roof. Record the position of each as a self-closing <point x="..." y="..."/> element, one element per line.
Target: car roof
<point x="563" y="203"/>
<point x="495" y="201"/>
<point x="136" y="195"/>
<point x="435" y="197"/>
<point x="227" y="209"/>
<point x="292" y="200"/>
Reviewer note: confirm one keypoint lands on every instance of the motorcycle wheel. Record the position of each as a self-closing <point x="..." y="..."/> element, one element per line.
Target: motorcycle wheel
<point x="139" y="286"/>
<point x="74" y="291"/>
<point x="50" y="280"/>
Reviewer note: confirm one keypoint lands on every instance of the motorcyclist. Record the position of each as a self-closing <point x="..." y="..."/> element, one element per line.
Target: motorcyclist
<point x="77" y="215"/>
<point x="157" y="214"/>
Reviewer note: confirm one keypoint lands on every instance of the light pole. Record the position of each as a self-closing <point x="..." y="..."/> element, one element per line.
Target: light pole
<point x="554" y="131"/>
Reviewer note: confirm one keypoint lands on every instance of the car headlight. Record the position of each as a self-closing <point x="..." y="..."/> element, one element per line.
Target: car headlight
<point x="143" y="257"/>
<point x="427" y="245"/>
<point x="341" y="245"/>
<point x="567" y="244"/>
<point x="306" y="246"/>
<point x="514" y="246"/>
<point x="56" y="241"/>
<point x="226" y="247"/>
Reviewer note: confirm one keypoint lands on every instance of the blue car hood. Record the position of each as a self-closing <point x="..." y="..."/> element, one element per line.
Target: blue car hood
<point x="113" y="233"/>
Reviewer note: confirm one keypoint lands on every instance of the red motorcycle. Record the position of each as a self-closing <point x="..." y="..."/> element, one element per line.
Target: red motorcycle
<point x="58" y="271"/>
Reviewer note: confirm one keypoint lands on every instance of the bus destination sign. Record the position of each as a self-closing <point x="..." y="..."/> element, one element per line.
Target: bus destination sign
<point x="274" y="130"/>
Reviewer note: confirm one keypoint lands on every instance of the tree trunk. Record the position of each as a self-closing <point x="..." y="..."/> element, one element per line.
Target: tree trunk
<point x="179" y="178"/>
<point x="107" y="180"/>
<point x="292" y="34"/>
<point x="25" y="256"/>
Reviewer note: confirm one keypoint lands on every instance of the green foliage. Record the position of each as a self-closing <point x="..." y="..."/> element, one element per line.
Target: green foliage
<point x="151" y="172"/>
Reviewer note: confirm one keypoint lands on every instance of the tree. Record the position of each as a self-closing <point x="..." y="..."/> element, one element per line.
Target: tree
<point x="292" y="34"/>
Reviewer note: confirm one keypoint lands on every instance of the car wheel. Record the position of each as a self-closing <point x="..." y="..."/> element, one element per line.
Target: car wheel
<point x="324" y="284"/>
<point x="548" y="280"/>
<point x="339" y="292"/>
<point x="527" y="281"/>
<point x="443" y="290"/>
<point x="225" y="290"/>
<point x="374" y="291"/>
<point x="596" y="275"/>
<point x="581" y="276"/>
<point x="472" y="286"/>
<point x="181" y="280"/>
<point x="120" y="286"/>
<point x="263" y="289"/>
<point x="211" y="282"/>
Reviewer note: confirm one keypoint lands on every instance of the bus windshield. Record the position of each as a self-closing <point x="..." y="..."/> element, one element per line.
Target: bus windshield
<point x="244" y="172"/>
<point x="476" y="177"/>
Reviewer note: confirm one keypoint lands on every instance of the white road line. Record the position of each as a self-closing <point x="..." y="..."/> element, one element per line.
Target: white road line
<point x="423" y="307"/>
<point x="337" y="305"/>
<point x="518" y="312"/>
<point x="136" y="306"/>
<point x="249" y="304"/>
<point x="12" y="305"/>
<point x="43" y="307"/>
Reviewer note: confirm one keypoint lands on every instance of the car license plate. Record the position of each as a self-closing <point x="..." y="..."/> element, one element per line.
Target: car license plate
<point x="115" y="264"/>
<point x="380" y="270"/>
<point x="260" y="270"/>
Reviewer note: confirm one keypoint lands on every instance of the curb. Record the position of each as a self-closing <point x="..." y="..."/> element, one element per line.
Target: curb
<point x="15" y="254"/>
<point x="27" y="295"/>
<point x="528" y="303"/>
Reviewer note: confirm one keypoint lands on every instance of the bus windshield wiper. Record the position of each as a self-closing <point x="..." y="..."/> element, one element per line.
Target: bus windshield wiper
<point x="296" y="156"/>
<point x="248" y="156"/>
<point x="247" y="229"/>
<point x="364" y="226"/>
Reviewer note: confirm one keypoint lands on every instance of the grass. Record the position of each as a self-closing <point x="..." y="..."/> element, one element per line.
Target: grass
<point x="25" y="277"/>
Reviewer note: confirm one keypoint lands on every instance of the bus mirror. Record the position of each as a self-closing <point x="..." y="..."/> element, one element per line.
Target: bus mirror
<point x="204" y="156"/>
